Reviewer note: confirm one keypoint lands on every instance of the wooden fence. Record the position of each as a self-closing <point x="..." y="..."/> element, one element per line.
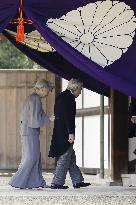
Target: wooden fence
<point x="15" y="85"/>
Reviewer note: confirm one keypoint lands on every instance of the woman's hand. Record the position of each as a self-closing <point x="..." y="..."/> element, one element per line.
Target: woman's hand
<point x="52" y="118"/>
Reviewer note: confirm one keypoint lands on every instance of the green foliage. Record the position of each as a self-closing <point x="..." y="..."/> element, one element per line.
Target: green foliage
<point x="12" y="58"/>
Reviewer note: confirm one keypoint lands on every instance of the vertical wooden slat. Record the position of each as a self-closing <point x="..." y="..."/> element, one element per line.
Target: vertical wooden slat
<point x="50" y="110"/>
<point x="2" y="129"/>
<point x="43" y="130"/>
<point x="20" y="96"/>
<point x="11" y="128"/>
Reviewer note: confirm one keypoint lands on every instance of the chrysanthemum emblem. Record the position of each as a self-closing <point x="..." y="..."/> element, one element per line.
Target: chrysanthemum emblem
<point x="35" y="41"/>
<point x="102" y="31"/>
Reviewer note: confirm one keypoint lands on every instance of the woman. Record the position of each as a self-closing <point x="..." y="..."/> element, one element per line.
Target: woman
<point x="29" y="174"/>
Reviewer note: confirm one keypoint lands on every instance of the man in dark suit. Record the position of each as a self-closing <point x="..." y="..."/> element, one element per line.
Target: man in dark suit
<point x="64" y="136"/>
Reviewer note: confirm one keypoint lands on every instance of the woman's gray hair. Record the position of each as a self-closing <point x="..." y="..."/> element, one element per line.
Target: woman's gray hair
<point x="44" y="84"/>
<point x="74" y="84"/>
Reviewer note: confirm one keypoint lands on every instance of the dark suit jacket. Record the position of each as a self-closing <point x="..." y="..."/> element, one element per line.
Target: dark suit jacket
<point x="65" y="111"/>
<point x="133" y="107"/>
<point x="132" y="112"/>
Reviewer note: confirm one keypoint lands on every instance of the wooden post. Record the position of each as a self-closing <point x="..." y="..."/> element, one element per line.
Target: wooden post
<point x="101" y="136"/>
<point x="119" y="134"/>
<point x="58" y="89"/>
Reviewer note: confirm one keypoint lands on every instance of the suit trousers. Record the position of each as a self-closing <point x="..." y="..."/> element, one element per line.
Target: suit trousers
<point x="65" y="163"/>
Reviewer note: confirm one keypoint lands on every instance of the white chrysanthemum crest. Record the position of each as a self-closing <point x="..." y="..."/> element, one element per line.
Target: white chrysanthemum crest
<point x="102" y="31"/>
<point x="35" y="41"/>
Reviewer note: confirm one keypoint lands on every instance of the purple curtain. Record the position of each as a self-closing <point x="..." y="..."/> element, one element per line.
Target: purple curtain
<point x="8" y="9"/>
<point x="58" y="65"/>
<point x="119" y="75"/>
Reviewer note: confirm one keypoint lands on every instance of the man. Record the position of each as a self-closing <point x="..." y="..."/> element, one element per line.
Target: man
<point x="29" y="174"/>
<point x="64" y="136"/>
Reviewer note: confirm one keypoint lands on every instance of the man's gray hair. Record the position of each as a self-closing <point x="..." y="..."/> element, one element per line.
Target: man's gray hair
<point x="44" y="84"/>
<point x="74" y="84"/>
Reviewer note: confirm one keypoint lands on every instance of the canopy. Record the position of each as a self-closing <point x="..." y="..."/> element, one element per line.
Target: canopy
<point x="87" y="39"/>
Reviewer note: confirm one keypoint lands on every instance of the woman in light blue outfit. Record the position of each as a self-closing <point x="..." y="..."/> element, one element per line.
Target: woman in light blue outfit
<point x="29" y="174"/>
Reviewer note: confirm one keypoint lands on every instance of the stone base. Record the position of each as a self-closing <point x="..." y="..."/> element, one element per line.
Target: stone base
<point x="114" y="183"/>
<point x="129" y="179"/>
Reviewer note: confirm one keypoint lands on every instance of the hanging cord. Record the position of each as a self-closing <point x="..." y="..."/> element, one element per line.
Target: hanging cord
<point x="20" y="36"/>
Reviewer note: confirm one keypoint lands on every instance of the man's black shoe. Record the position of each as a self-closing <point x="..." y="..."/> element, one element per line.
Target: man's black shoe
<point x="56" y="186"/>
<point x="81" y="184"/>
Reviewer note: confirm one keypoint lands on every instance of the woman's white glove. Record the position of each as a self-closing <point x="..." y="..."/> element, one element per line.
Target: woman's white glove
<point x="52" y="118"/>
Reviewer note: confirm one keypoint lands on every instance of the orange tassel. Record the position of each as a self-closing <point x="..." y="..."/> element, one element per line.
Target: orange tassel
<point x="20" y="33"/>
<point x="20" y="28"/>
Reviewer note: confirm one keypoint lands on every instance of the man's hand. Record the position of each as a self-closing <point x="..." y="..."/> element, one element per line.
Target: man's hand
<point x="133" y="119"/>
<point x="71" y="138"/>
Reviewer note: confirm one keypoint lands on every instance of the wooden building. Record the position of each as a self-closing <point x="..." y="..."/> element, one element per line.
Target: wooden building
<point x="15" y="85"/>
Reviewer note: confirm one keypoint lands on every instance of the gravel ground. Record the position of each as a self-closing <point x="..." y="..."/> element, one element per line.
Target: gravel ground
<point x="97" y="194"/>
